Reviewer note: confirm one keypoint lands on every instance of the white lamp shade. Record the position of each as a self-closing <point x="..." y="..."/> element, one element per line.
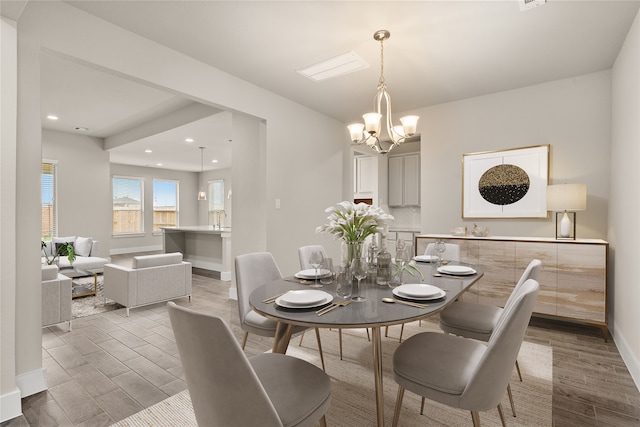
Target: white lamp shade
<point x="567" y="197"/>
<point x="409" y="124"/>
<point x="356" y="130"/>
<point x="372" y="122"/>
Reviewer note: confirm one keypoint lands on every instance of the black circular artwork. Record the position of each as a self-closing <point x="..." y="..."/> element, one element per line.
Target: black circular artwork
<point x="504" y="184"/>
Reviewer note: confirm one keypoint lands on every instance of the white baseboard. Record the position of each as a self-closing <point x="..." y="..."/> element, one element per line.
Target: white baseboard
<point x="120" y="251"/>
<point x="32" y="382"/>
<point x="630" y="359"/>
<point x="233" y="293"/>
<point x="10" y="405"/>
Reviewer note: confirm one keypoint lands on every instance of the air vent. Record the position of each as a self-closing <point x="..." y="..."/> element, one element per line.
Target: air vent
<point x="530" y="4"/>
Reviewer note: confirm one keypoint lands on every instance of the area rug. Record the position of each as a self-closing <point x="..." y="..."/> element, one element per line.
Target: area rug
<point x="89" y="305"/>
<point x="352" y="398"/>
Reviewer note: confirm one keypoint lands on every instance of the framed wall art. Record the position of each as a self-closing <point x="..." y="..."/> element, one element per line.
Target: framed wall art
<point x="506" y="184"/>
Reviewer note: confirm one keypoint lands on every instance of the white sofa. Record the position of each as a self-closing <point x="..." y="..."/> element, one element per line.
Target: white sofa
<point x="151" y="279"/>
<point x="56" y="297"/>
<point x="86" y="249"/>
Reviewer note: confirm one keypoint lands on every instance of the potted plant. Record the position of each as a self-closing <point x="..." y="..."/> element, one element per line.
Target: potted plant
<point x="61" y="249"/>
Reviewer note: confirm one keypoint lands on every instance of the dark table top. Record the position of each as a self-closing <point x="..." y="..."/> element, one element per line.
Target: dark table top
<point x="372" y="312"/>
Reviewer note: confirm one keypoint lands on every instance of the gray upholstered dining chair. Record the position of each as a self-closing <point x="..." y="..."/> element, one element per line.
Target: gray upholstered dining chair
<point x="304" y="252"/>
<point x="451" y="252"/>
<point x="252" y="271"/>
<point x="478" y="321"/>
<point x="229" y="389"/>
<point x="464" y="373"/>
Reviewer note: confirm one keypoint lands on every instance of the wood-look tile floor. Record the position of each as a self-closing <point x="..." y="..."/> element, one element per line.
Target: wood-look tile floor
<point x="110" y="366"/>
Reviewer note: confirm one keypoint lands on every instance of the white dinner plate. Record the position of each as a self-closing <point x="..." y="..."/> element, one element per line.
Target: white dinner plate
<point x="306" y="298"/>
<point x="425" y="258"/>
<point x="311" y="273"/>
<point x="461" y="270"/>
<point x="441" y="294"/>
<point x="418" y="290"/>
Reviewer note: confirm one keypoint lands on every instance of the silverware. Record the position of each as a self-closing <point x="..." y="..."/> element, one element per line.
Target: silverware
<point x="412" y="304"/>
<point x="273" y="298"/>
<point x="333" y="306"/>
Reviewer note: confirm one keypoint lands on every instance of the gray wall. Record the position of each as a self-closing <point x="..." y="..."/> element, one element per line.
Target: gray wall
<point x="573" y="116"/>
<point x="83" y="199"/>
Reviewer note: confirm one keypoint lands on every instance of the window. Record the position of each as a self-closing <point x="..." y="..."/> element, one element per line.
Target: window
<point x="48" y="191"/>
<point x="127" y="205"/>
<point x="165" y="204"/>
<point x="216" y="202"/>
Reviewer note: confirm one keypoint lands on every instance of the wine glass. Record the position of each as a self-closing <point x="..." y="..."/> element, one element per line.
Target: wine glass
<point x="315" y="259"/>
<point x="440" y="248"/>
<point x="359" y="269"/>
<point x="402" y="258"/>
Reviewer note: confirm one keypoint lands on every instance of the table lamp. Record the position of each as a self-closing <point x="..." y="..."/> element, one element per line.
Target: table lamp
<point x="565" y="200"/>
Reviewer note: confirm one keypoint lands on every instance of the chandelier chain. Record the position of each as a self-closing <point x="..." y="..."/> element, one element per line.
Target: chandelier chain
<point x="381" y="63"/>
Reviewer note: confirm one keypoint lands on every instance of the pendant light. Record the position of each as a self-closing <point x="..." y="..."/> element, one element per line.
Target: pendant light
<point x="202" y="195"/>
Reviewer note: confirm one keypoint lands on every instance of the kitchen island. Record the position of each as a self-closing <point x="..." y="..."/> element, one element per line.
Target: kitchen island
<point x="204" y="246"/>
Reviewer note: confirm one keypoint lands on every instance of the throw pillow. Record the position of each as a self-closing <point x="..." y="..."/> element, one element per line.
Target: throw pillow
<point x="83" y="246"/>
<point x="62" y="249"/>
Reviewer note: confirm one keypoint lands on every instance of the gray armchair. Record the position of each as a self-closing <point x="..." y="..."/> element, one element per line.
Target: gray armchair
<point x="56" y="297"/>
<point x="229" y="389"/>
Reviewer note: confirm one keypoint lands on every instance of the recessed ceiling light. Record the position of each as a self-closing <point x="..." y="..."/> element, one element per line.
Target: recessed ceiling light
<point x="81" y="128"/>
<point x="148" y="151"/>
<point x="214" y="161"/>
<point x="158" y="164"/>
<point x="52" y="117"/>
<point x="189" y="140"/>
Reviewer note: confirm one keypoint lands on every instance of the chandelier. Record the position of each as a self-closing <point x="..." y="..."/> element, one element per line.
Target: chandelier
<point x="201" y="194"/>
<point x="370" y="131"/>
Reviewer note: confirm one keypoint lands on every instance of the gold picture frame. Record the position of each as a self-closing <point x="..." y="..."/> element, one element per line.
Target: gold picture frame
<point x="508" y="183"/>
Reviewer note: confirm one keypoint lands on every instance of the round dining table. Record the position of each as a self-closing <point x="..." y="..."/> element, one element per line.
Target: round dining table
<point x="372" y="313"/>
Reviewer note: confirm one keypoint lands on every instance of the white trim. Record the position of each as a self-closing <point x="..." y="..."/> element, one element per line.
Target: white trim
<point x="32" y="382"/>
<point x="119" y="251"/>
<point x="10" y="405"/>
<point x="233" y="293"/>
<point x="628" y="356"/>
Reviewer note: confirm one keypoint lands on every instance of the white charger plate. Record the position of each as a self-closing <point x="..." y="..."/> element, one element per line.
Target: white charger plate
<point x="461" y="270"/>
<point x="437" y="296"/>
<point x="311" y="273"/>
<point x="419" y="290"/>
<point x="304" y="298"/>
<point x="425" y="258"/>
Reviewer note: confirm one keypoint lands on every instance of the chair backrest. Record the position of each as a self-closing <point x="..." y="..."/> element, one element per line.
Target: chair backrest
<point x="224" y="389"/>
<point x="489" y="380"/>
<point x="451" y="253"/>
<point x="252" y="271"/>
<point x="304" y="253"/>
<point x="531" y="272"/>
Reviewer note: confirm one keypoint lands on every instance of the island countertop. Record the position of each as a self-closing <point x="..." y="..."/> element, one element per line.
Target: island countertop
<point x="207" y="229"/>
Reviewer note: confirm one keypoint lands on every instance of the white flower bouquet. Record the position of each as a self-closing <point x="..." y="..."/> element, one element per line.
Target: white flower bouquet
<point x="353" y="223"/>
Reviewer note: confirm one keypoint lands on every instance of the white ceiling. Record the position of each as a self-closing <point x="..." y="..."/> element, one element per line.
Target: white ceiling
<point x="439" y="51"/>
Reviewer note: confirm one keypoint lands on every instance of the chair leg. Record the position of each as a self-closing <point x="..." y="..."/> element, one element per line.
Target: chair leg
<point x="323" y="421"/>
<point x="244" y="339"/>
<point x="475" y="416"/>
<point x="368" y="336"/>
<point x="513" y="406"/>
<point x="340" y="340"/>
<point x="518" y="369"/>
<point x="422" y="406"/>
<point x="320" y="347"/>
<point x="401" y="331"/>
<point x="396" y="412"/>
<point x="386" y="332"/>
<point x="301" y="336"/>
<point x="502" y="418"/>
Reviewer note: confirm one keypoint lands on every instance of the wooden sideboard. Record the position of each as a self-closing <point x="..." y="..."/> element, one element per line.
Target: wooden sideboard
<point x="573" y="279"/>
